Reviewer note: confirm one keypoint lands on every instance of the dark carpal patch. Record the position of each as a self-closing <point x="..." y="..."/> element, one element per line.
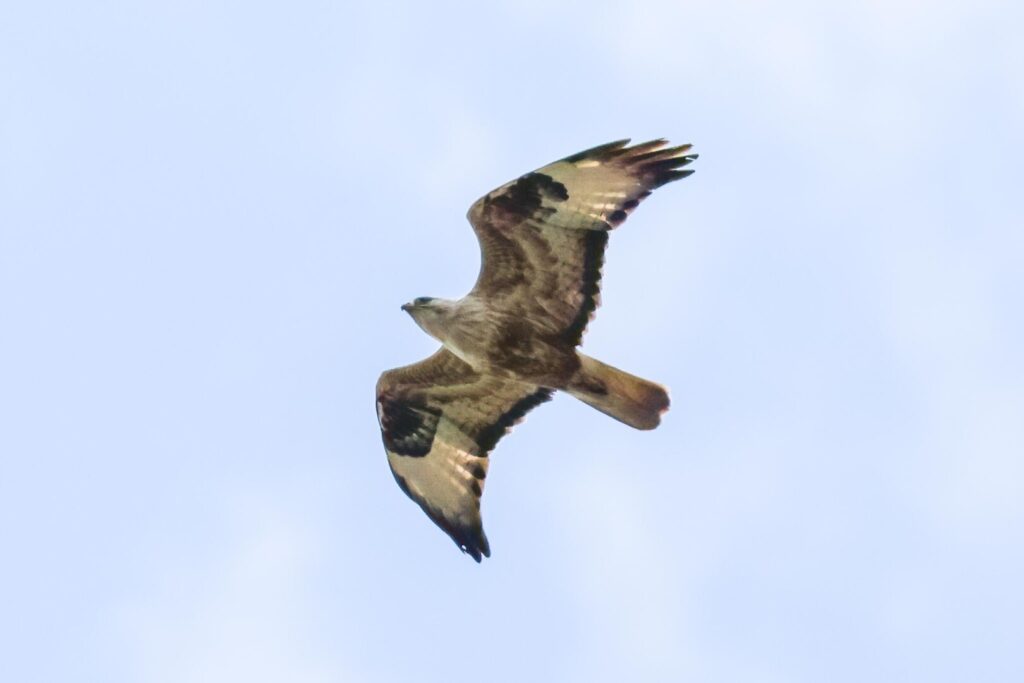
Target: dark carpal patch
<point x="522" y="199"/>
<point x="407" y="429"/>
<point x="489" y="437"/>
<point x="549" y="187"/>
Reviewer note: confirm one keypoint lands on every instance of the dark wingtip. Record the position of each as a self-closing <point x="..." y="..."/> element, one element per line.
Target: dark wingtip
<point x="599" y="152"/>
<point x="641" y="149"/>
<point x="477" y="548"/>
<point x="665" y="177"/>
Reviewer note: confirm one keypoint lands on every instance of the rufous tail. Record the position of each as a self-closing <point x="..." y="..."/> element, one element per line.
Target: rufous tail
<point x="628" y="398"/>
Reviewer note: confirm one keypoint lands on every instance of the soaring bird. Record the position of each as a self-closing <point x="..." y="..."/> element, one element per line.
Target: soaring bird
<point x="511" y="342"/>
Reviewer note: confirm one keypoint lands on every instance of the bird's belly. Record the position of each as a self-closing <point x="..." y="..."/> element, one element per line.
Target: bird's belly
<point x="515" y="351"/>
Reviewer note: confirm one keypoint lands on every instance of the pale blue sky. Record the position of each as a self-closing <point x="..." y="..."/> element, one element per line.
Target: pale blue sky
<point x="210" y="213"/>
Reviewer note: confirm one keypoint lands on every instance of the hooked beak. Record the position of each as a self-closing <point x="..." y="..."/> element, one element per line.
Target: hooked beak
<point x="407" y="307"/>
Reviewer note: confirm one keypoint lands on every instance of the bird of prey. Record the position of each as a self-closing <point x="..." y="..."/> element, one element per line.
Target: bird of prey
<point x="511" y="342"/>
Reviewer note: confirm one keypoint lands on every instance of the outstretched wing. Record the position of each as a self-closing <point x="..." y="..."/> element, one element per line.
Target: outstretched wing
<point x="439" y="419"/>
<point x="542" y="236"/>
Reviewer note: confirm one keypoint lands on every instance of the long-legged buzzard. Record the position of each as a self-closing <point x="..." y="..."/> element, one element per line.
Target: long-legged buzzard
<point x="511" y="342"/>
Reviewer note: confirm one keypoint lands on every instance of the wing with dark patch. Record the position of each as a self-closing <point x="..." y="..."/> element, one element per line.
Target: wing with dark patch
<point x="439" y="420"/>
<point x="543" y="235"/>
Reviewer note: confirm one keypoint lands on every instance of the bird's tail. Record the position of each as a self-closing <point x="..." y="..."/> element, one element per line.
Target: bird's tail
<point x="630" y="399"/>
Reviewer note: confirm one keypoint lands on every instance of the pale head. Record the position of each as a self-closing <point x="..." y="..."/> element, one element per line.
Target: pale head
<point x="430" y="313"/>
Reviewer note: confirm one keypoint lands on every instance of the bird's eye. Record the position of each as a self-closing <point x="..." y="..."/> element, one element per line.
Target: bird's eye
<point x="422" y="300"/>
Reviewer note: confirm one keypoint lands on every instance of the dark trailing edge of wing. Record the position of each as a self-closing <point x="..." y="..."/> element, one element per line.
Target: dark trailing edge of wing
<point x="489" y="437"/>
<point x="590" y="287"/>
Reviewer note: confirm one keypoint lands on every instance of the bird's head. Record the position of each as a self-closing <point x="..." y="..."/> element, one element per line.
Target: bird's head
<point x="429" y="313"/>
<point x="419" y="305"/>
